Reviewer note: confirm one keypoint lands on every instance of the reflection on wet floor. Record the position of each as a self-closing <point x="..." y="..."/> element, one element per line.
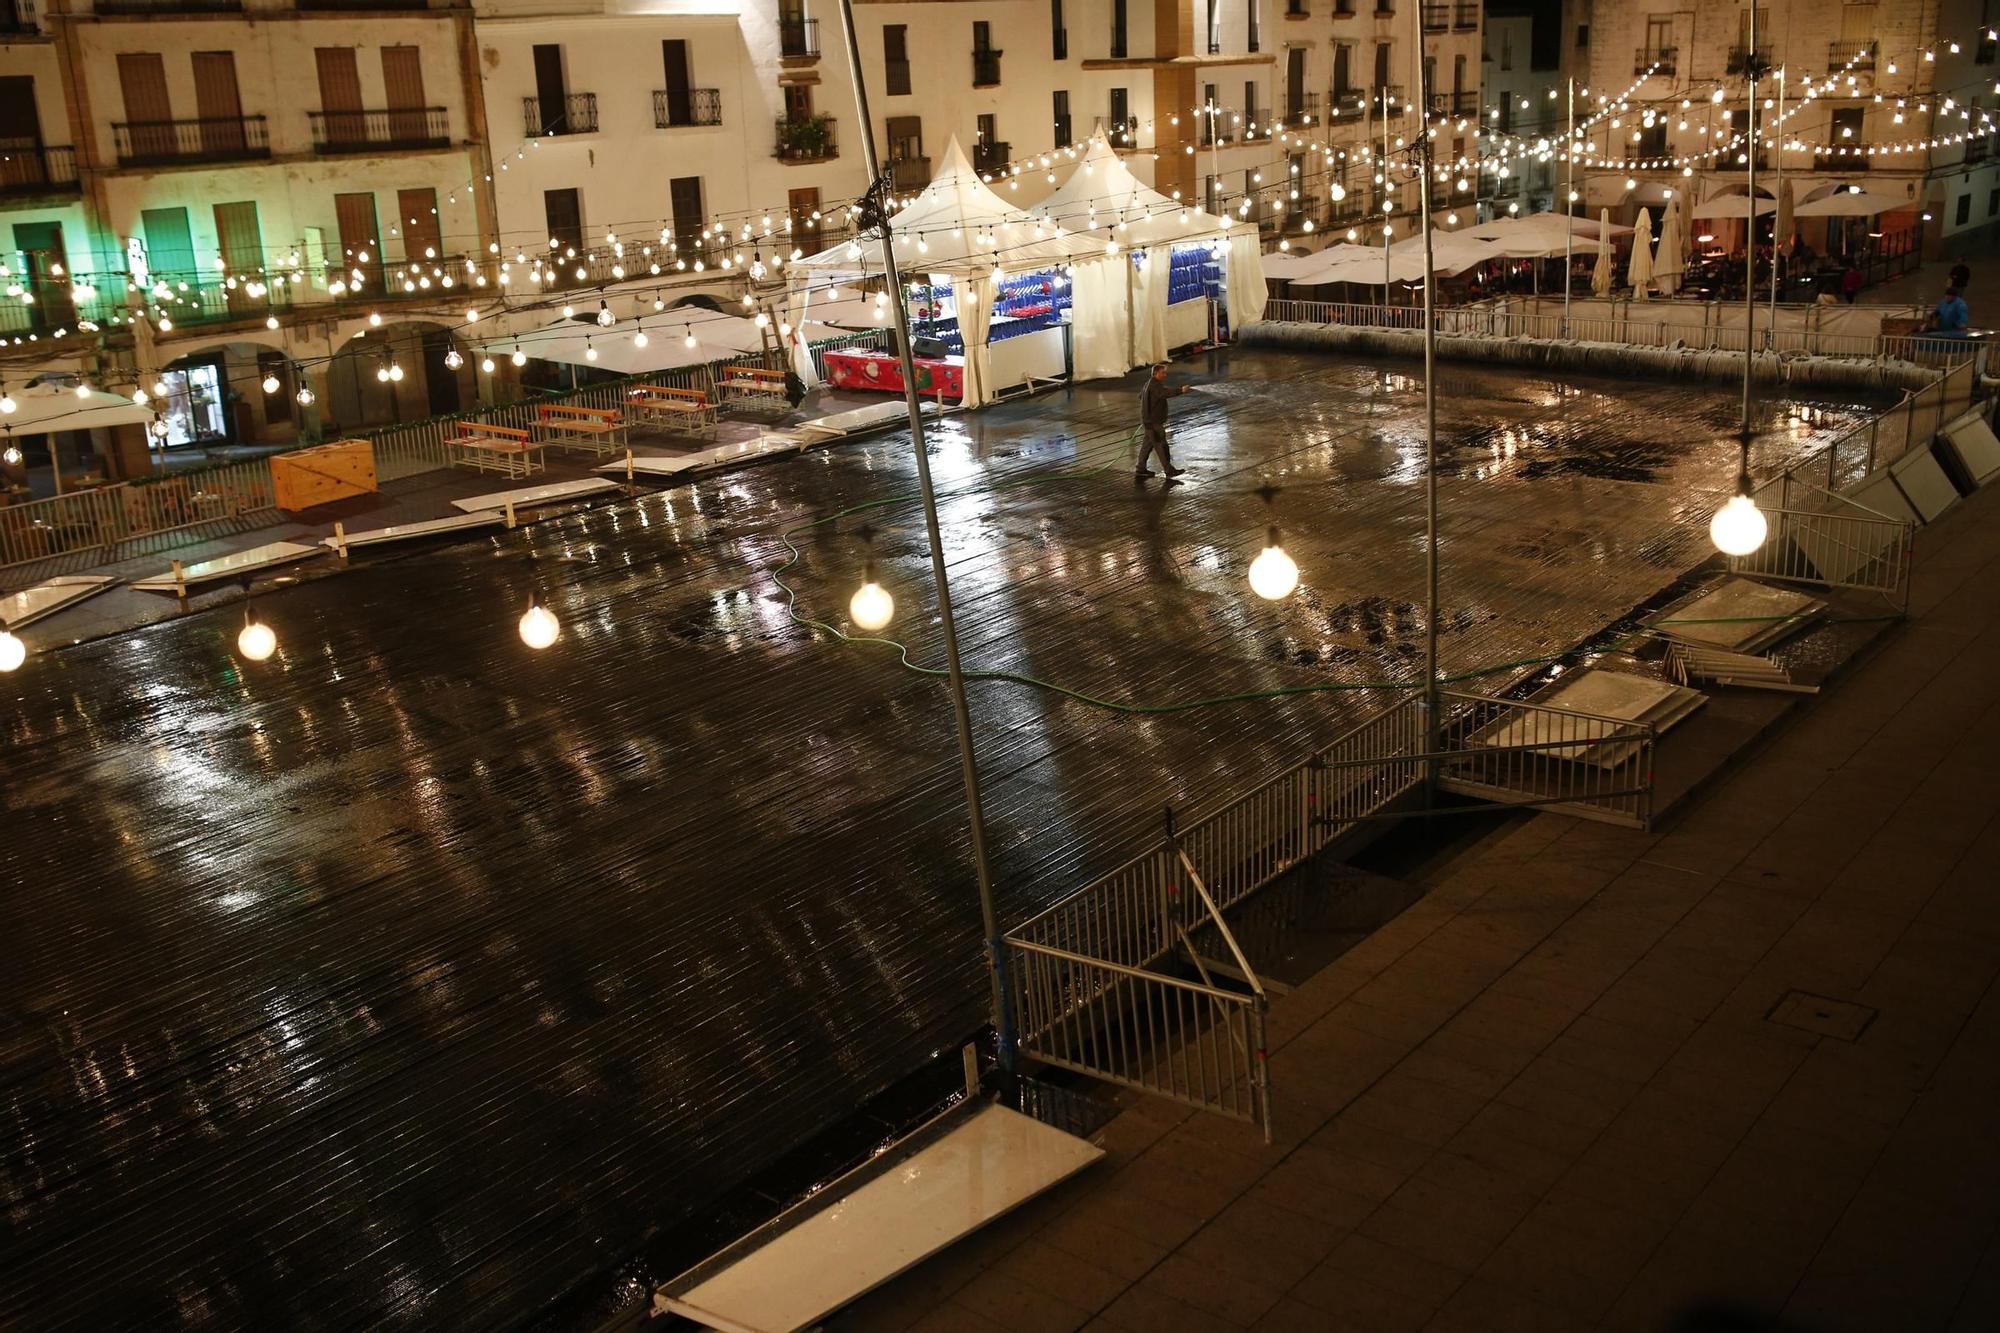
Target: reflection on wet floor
<point x="410" y="976"/>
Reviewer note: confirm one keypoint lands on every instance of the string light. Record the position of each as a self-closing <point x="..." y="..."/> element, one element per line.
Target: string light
<point x="257" y="641"/>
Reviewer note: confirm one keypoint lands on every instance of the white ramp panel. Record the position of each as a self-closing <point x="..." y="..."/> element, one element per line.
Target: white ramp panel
<point x="1977" y="449"/>
<point x="553" y="493"/>
<point x="877" y="1221"/>
<point x="45" y="599"/>
<point x="1930" y="492"/>
<point x="235" y="566"/>
<point x="402" y="532"/>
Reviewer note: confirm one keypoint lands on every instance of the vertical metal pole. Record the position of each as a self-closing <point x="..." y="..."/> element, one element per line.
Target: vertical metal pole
<point x="1749" y="221"/>
<point x="1569" y="209"/>
<point x="1381" y="217"/>
<point x="1777" y="216"/>
<point x="1430" y="419"/>
<point x="1003" y="1022"/>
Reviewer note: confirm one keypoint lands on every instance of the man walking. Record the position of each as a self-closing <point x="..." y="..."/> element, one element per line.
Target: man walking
<point x="1153" y="418"/>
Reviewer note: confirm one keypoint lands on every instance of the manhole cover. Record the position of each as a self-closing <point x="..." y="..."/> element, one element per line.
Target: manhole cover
<point x="1818" y="1014"/>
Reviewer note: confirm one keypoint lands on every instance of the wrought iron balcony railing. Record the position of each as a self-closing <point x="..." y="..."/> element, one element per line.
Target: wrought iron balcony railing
<point x="798" y="38"/>
<point x="909" y="173"/>
<point x="399" y="127"/>
<point x="1740" y="59"/>
<point x="1839" y="53"/>
<point x="691" y="106"/>
<point x="991" y="157"/>
<point x="142" y="143"/>
<point x="1437" y="17"/>
<point x="576" y="115"/>
<point x="27" y="167"/>
<point x="985" y="69"/>
<point x="1662" y="60"/>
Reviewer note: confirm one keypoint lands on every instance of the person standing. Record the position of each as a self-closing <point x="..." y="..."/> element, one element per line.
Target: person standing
<point x="1850" y="283"/>
<point x="1951" y="315"/>
<point x="1153" y="420"/>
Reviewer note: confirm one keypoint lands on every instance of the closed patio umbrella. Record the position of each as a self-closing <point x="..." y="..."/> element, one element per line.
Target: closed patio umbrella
<point x="1671" y="261"/>
<point x="1602" y="276"/>
<point x="1640" y="271"/>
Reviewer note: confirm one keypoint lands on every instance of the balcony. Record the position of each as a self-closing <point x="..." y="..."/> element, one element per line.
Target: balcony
<point x="1839" y="53"/>
<point x="361" y="4"/>
<point x="152" y="143"/>
<point x="1346" y="104"/>
<point x="1300" y="104"/>
<point x="1343" y="9"/>
<point x="1465" y="15"/>
<point x="1740" y="59"/>
<point x="985" y="69"/>
<point x="988" y="158"/>
<point x="1436" y="17"/>
<point x="363" y="131"/>
<point x="1116" y="129"/>
<point x="1464" y="102"/>
<point x="805" y="139"/>
<point x="1222" y="127"/>
<point x="909" y="174"/>
<point x="691" y="106"/>
<point x="1296" y="9"/>
<point x="798" y="38"/>
<point x="1663" y="61"/>
<point x="18" y="16"/>
<point x="169" y="6"/>
<point x="27" y="167"/>
<point x="576" y="115"/>
<point x="1388" y="95"/>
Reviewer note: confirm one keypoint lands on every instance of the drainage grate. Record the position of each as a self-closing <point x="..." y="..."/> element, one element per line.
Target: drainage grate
<point x="1818" y="1014"/>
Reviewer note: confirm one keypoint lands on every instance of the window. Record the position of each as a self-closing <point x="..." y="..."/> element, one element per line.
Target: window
<point x="1846" y="125"/>
<point x="551" y="91"/>
<point x="1121" y="108"/>
<point x="1582" y="36"/>
<point x="418" y="219"/>
<point x="1993" y="204"/>
<point x="1343" y="70"/>
<point x="1507" y="48"/>
<point x="1964" y="209"/>
<point x="1062" y="118"/>
<point x="1060" y="33"/>
<point x="1430" y="77"/>
<point x="360" y="248"/>
<point x="982" y="36"/>
<point x="1117" y="29"/>
<point x="1252" y="7"/>
<point x="798" y="102"/>
<point x="803" y="207"/>
<point x="341" y="118"/>
<point x="988" y="131"/>
<point x="563" y="211"/>
<point x="896" y="59"/>
<point x="403" y="92"/>
<point x="241" y="240"/>
<point x="1457" y="77"/>
<point x="1652" y="141"/>
<point x="1250" y="116"/>
<point x="680" y="94"/>
<point x="684" y="195"/>
<point x="1659" y="35"/>
<point x="1381" y="65"/>
<point x="1295" y="82"/>
<point x="985" y="60"/>
<point x="1214" y="27"/>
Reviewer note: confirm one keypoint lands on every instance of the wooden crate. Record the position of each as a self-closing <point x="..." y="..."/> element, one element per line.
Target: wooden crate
<point x="323" y="474"/>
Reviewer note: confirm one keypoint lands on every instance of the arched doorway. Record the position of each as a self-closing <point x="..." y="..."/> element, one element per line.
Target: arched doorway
<point x="399" y="372"/>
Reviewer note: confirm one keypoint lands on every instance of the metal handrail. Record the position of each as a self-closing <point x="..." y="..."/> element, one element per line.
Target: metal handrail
<point x="207" y="139"/>
<point x="703" y="107"/>
<point x="388" y="127"/>
<point x="576" y="115"/>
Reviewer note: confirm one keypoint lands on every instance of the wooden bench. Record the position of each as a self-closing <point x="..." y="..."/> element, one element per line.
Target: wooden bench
<point x="662" y="405"/>
<point x="503" y="449"/>
<point x="748" y="384"/>
<point x="594" y="430"/>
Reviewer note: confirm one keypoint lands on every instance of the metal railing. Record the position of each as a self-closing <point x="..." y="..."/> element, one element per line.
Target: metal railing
<point x="167" y="6"/>
<point x="1660" y="60"/>
<point x="1436" y="17"/>
<point x="28" y="167"/>
<point x="397" y="127"/>
<point x="1838" y="54"/>
<point x="798" y="38"/>
<point x="18" y="16"/>
<point x="576" y="115"/>
<point x="1515" y="752"/>
<point x="696" y="106"/>
<point x="991" y="157"/>
<point x="1298" y="102"/>
<point x="909" y="173"/>
<point x="1740" y="58"/>
<point x="143" y="143"/>
<point x="985" y="68"/>
<point x="1842" y="545"/>
<point x="1464" y="101"/>
<point x="1465" y="14"/>
<point x="1346" y="103"/>
<point x="107" y="515"/>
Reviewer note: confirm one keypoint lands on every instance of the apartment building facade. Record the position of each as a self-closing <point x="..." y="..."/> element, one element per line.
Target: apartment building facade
<point x="1912" y="78"/>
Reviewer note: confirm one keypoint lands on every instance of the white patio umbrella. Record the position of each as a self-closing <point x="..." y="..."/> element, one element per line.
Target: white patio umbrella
<point x="1855" y="203"/>
<point x="1640" y="271"/>
<point x="1671" y="261"/>
<point x="1606" y="272"/>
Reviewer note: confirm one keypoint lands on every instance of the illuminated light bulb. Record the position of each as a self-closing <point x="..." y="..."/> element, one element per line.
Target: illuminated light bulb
<point x="271" y="384"/>
<point x="640" y="339"/>
<point x="395" y="371"/>
<point x="871" y="608"/>
<point x="382" y="374"/>
<point x="12" y="456"/>
<point x="1273" y="574"/>
<point x="374" y="319"/>
<point x="569" y="311"/>
<point x="305" y="397"/>
<point x="604" y="316"/>
<point x="520" y="358"/>
<point x="138" y="397"/>
<point x="486" y="365"/>
<point x="1739" y="527"/>
<point x="270" y="321"/>
<point x="13" y="652"/>
<point x="257" y="641"/>
<point x="589" y="352"/>
<point x="539" y="627"/>
<point x="689" y="340"/>
<point x="82" y="390"/>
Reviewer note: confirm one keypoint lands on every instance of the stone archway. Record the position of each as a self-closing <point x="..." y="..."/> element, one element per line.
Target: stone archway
<point x="398" y="372"/>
